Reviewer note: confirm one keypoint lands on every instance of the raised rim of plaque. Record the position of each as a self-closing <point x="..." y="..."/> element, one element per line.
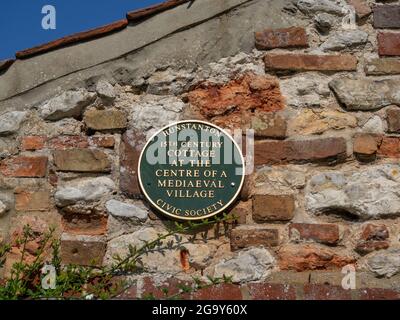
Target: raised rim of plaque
<point x="234" y="198"/>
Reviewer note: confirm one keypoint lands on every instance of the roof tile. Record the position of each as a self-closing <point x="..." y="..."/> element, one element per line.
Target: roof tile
<point x="141" y="14"/>
<point x="77" y="37"/>
<point x="5" y="64"/>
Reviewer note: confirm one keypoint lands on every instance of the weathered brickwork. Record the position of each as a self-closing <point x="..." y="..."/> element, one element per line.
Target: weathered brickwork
<point x="321" y="93"/>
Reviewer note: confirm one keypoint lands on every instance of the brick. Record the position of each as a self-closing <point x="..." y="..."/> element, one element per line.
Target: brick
<point x="387" y="16"/>
<point x="271" y="291"/>
<point x="32" y="143"/>
<point x="375" y="232"/>
<point x="365" y="146"/>
<point x="130" y="293"/>
<point x="309" y="257"/>
<point x="82" y="250"/>
<point x="171" y="287"/>
<point x="393" y="120"/>
<point x="269" y="125"/>
<point x="361" y="7"/>
<point x="365" y="247"/>
<point x="102" y="141"/>
<point x="382" y="66"/>
<point x="390" y="147"/>
<point x="223" y="291"/>
<point x="373" y="237"/>
<point x="245" y="237"/>
<point x="325" y="292"/>
<point x="378" y="294"/>
<point x="322" y="233"/>
<point x="108" y="119"/>
<point x="24" y="167"/>
<point x="310" y="150"/>
<point x="26" y="200"/>
<point x="293" y="37"/>
<point x="67" y="142"/>
<point x="230" y="105"/>
<point x="130" y="149"/>
<point x="241" y="211"/>
<point x="84" y="224"/>
<point x="389" y="44"/>
<point x="309" y="62"/>
<point x="273" y="207"/>
<point x="81" y="160"/>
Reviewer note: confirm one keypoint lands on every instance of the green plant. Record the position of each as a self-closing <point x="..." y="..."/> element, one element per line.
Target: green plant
<point x="83" y="282"/>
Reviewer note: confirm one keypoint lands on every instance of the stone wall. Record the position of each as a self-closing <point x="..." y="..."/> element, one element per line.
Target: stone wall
<point x="318" y="81"/>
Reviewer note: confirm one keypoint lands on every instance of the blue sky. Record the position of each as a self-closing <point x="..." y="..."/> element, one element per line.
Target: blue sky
<point x="21" y="20"/>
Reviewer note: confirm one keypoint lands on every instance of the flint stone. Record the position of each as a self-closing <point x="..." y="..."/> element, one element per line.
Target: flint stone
<point x="311" y="7"/>
<point x="366" y="94"/>
<point x="68" y="104"/>
<point x="126" y="210"/>
<point x="87" y="190"/>
<point x="251" y="265"/>
<point x="385" y="263"/>
<point x="368" y="193"/>
<point x="10" y="122"/>
<point x="344" y="40"/>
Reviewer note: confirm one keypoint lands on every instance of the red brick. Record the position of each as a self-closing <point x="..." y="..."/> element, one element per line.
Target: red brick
<point x="130" y="293"/>
<point x="130" y="148"/>
<point x="102" y="141"/>
<point x="362" y="8"/>
<point x="365" y="247"/>
<point x="81" y="160"/>
<point x="223" y="291"/>
<point x="309" y="62"/>
<point x="301" y="258"/>
<point x="85" y="224"/>
<point x="373" y="237"/>
<point x="82" y="250"/>
<point x="244" y="237"/>
<point x="269" y="125"/>
<point x="170" y="288"/>
<point x="390" y="147"/>
<point x="378" y="294"/>
<point x="310" y="150"/>
<point x="323" y="233"/>
<point x="281" y="38"/>
<point x="387" y="16"/>
<point x="66" y="142"/>
<point x="382" y="66"/>
<point x="241" y="211"/>
<point x="365" y="146"/>
<point x="109" y="119"/>
<point x="375" y="232"/>
<point x="230" y="105"/>
<point x="271" y="291"/>
<point x="24" y="167"/>
<point x="389" y="44"/>
<point x="325" y="292"/>
<point x="26" y="200"/>
<point x="393" y="118"/>
<point x="33" y="143"/>
<point x="273" y="207"/>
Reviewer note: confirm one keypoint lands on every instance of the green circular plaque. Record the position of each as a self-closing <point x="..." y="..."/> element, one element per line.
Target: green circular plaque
<point x="191" y="170"/>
